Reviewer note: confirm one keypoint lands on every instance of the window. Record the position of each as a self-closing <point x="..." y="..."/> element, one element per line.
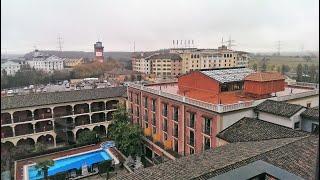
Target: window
<point x="165" y="125"/>
<point x="146" y="125"/>
<point x="153" y="105"/>
<point x="296" y="125"/>
<point x="314" y="127"/>
<point x="137" y="99"/>
<point x="308" y="104"/>
<point x="175" y="113"/>
<point x="154" y="130"/>
<point x="165" y="136"/>
<point x="138" y="113"/>
<point x="176" y="145"/>
<point x="154" y="119"/>
<point x="207" y="126"/>
<point x="175" y="130"/>
<point x="191" y="151"/>
<point x="191" y="138"/>
<point x="146" y="102"/>
<point x="165" y="110"/>
<point x="191" y="120"/>
<point x="131" y="96"/>
<point x="145" y="115"/>
<point x="206" y="143"/>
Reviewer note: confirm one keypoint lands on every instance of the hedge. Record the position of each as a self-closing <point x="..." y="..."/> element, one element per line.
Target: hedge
<point x="59" y="176"/>
<point x="49" y="151"/>
<point x="104" y="166"/>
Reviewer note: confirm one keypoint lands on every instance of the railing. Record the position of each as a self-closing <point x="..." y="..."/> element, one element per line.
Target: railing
<point x="305" y="84"/>
<point x="220" y="108"/>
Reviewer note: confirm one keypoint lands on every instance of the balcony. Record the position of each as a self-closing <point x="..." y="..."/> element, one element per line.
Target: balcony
<point x="6" y="132"/>
<point x="44" y="113"/>
<point x="81" y="108"/>
<point x="97" y="106"/>
<point x="43" y="126"/>
<point x="62" y="111"/>
<point x="98" y="117"/>
<point x="63" y="125"/>
<point x="22" y="116"/>
<point x="82" y="120"/>
<point x="5" y="118"/>
<point x="113" y="104"/>
<point x="23" y="129"/>
<point x="22" y="119"/>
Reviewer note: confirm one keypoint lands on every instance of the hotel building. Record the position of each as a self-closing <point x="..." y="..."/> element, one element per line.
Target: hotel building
<point x="184" y="117"/>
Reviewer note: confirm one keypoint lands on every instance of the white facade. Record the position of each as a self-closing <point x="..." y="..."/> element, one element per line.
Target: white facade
<point x="10" y="67"/>
<point x="280" y="120"/>
<point x="47" y="64"/>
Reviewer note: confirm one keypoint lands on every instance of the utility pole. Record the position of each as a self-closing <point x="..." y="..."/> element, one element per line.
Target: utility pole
<point x="279" y="47"/>
<point x="59" y="43"/>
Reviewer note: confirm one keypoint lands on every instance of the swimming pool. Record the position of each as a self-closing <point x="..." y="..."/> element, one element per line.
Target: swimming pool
<point x="68" y="163"/>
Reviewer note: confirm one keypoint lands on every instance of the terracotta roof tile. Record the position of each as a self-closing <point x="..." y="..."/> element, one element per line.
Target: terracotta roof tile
<point x="264" y="76"/>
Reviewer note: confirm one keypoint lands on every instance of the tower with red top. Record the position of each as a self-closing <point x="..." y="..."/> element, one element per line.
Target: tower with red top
<point x="98" y="51"/>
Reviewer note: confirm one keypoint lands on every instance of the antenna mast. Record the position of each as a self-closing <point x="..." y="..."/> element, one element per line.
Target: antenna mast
<point x="60" y="43"/>
<point x="230" y="43"/>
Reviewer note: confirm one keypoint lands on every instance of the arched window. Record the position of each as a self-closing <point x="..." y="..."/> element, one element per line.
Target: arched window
<point x="191" y="55"/>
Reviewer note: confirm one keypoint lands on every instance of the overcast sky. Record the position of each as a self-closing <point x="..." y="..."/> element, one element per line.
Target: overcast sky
<point x="255" y="25"/>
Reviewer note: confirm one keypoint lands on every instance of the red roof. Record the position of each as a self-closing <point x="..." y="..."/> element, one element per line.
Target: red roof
<point x="264" y="76"/>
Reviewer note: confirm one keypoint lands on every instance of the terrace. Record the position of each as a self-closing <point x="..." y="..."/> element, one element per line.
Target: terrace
<point x="224" y="102"/>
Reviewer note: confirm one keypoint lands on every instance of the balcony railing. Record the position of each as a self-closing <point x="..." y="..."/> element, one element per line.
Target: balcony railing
<point x="220" y="108"/>
<point x="20" y="119"/>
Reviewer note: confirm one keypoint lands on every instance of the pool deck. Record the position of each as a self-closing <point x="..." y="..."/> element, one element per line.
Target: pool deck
<point x="21" y="163"/>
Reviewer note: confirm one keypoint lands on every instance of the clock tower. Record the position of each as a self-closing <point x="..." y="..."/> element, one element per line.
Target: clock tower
<point x="98" y="52"/>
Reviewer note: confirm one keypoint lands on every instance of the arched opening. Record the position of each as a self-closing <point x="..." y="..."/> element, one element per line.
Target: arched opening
<point x="46" y="140"/>
<point x="97" y="106"/>
<point x="23" y="129"/>
<point x="191" y="55"/>
<point x="112" y="104"/>
<point x="26" y="143"/>
<point x="6" y="147"/>
<point x="62" y="111"/>
<point x="43" y="126"/>
<point x="5" y="118"/>
<point x="6" y="131"/>
<point x="82" y="120"/>
<point x="101" y="130"/>
<point x="98" y="117"/>
<point x="109" y="116"/>
<point x="22" y="116"/>
<point x="43" y="113"/>
<point x="81" y="131"/>
<point x="81" y="108"/>
<point x="65" y="138"/>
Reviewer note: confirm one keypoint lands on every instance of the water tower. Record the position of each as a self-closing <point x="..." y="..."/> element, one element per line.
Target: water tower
<point x="98" y="51"/>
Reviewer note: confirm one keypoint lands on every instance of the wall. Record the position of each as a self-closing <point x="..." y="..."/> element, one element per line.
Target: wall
<point x="276" y="119"/>
<point x="306" y="124"/>
<point x="232" y="117"/>
<point x="314" y="100"/>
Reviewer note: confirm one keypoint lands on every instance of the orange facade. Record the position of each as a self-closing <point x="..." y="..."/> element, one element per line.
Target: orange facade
<point x="263" y="87"/>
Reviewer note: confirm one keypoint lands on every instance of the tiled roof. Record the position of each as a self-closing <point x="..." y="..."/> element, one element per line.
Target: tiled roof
<point x="312" y="113"/>
<point x="295" y="155"/>
<point x="250" y="129"/>
<point x="264" y="76"/>
<point x="172" y="56"/>
<point x="228" y="74"/>
<point x="278" y="108"/>
<point x="29" y="100"/>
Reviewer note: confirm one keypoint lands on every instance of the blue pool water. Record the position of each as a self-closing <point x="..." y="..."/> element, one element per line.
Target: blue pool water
<point x="69" y="163"/>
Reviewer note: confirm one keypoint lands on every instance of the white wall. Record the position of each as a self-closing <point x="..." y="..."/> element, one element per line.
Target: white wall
<point x="230" y="118"/>
<point x="314" y="100"/>
<point x="284" y="121"/>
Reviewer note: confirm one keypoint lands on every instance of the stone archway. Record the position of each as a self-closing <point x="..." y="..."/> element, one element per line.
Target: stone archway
<point x="101" y="130"/>
<point x="46" y="140"/>
<point x="28" y="143"/>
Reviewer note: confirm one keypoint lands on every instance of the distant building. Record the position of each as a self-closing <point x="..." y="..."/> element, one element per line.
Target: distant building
<point x="45" y="62"/>
<point x="121" y="75"/>
<point x="190" y="59"/>
<point x="72" y="62"/>
<point x="10" y="67"/>
<point x="98" y="51"/>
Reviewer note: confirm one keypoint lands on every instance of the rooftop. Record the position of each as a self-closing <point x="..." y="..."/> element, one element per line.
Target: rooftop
<point x="29" y="100"/>
<point x="312" y="113"/>
<point x="225" y="98"/>
<point x="295" y="155"/>
<point x="225" y="75"/>
<point x="172" y="56"/>
<point x="251" y="129"/>
<point x="264" y="76"/>
<point x="278" y="108"/>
